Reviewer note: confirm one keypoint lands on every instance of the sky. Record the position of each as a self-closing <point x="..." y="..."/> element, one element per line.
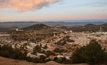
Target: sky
<point x="52" y="10"/>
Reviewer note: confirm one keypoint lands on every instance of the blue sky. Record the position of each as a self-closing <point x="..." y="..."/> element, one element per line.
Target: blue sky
<point x="61" y="10"/>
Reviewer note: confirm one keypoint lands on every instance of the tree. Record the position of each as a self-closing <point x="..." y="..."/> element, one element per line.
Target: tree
<point x="62" y="42"/>
<point x="8" y="51"/>
<point x="48" y="53"/>
<point x="92" y="53"/>
<point x="43" y="58"/>
<point x="36" y="49"/>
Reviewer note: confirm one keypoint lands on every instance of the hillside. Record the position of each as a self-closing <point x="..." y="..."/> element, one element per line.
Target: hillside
<point x="89" y="27"/>
<point x="7" y="61"/>
<point x="36" y="27"/>
<point x="35" y="32"/>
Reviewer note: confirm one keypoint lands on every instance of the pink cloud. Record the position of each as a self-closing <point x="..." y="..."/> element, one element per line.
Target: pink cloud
<point x="24" y="5"/>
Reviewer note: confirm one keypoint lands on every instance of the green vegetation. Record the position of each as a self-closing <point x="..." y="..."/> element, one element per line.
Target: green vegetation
<point x="48" y="53"/>
<point x="36" y="27"/>
<point x="92" y="53"/>
<point x="62" y="60"/>
<point x="37" y="49"/>
<point x="62" y="42"/>
<point x="9" y="52"/>
<point x="89" y="27"/>
<point x="58" y="50"/>
<point x="34" y="33"/>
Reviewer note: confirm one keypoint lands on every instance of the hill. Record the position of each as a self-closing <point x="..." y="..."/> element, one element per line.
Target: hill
<point x="36" y="27"/>
<point x="35" y="32"/>
<point x="7" y="61"/>
<point x="90" y="28"/>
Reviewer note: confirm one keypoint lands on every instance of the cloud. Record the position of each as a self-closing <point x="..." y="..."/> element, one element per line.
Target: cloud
<point x="98" y="4"/>
<point x="24" y="5"/>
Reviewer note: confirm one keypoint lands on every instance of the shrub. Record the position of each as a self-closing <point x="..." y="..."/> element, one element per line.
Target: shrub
<point x="48" y="53"/>
<point x="62" y="60"/>
<point x="92" y="53"/>
<point x="36" y="49"/>
<point x="9" y="52"/>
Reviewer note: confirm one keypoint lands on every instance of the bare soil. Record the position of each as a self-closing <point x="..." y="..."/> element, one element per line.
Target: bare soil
<point x="7" y="61"/>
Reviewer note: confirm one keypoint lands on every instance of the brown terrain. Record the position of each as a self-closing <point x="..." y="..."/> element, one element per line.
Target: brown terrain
<point x="43" y="32"/>
<point x="7" y="61"/>
<point x="89" y="27"/>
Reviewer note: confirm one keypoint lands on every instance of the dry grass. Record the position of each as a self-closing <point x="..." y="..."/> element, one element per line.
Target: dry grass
<point x="7" y="61"/>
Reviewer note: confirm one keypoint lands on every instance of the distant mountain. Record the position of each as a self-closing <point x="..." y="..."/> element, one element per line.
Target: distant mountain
<point x="22" y="24"/>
